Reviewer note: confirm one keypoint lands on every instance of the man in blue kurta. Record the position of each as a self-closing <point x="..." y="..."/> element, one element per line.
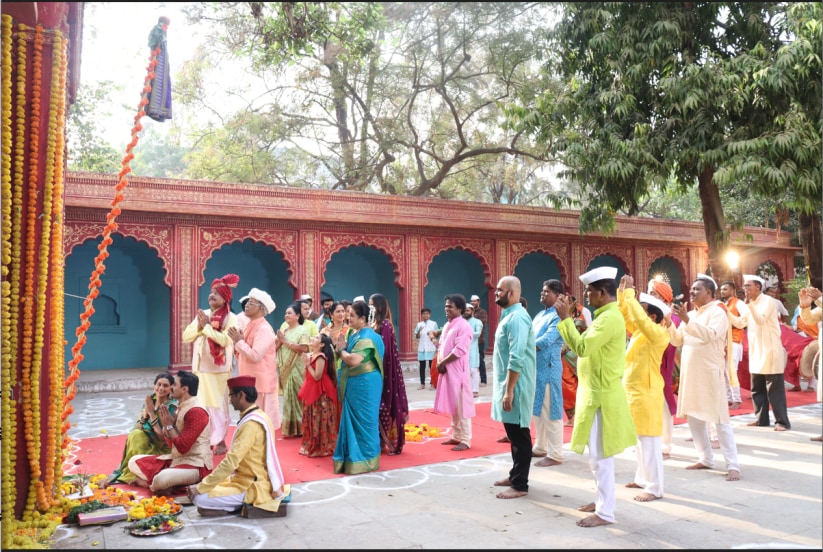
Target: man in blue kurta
<point x="602" y="419"/>
<point x="548" y="393"/>
<point x="514" y="383"/>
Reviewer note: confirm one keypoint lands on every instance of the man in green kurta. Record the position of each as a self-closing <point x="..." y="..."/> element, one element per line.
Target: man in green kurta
<point x="602" y="419"/>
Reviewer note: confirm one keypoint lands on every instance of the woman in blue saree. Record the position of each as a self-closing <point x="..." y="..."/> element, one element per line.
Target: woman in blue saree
<point x="359" y="388"/>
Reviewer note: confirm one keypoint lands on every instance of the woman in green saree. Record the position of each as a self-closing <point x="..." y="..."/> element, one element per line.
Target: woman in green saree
<point x="147" y="435"/>
<point x="292" y="342"/>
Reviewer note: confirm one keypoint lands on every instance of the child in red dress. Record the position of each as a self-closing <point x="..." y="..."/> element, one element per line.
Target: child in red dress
<point x="319" y="397"/>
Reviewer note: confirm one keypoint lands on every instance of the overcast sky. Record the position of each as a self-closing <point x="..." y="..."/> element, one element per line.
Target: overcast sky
<point x="115" y="47"/>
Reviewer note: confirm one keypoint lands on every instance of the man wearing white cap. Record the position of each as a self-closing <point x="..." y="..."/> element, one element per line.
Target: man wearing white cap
<point x="767" y="356"/>
<point x="602" y="418"/>
<point x="254" y="347"/>
<point x="643" y="383"/>
<point x="703" y="336"/>
<point x="481" y="314"/>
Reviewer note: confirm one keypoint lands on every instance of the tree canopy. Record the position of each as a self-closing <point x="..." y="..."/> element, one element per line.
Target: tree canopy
<point x="662" y="93"/>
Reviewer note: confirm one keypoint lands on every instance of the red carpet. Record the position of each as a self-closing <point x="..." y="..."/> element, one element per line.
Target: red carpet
<point x="102" y="454"/>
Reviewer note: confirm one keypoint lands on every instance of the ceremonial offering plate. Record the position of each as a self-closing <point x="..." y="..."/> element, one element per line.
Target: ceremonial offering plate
<point x="158" y="530"/>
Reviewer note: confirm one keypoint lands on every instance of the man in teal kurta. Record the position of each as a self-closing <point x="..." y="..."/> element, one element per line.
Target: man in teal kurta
<point x="515" y="374"/>
<point x="602" y="419"/>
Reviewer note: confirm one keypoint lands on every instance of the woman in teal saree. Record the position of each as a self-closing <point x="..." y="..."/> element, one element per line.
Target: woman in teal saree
<point x="359" y="388"/>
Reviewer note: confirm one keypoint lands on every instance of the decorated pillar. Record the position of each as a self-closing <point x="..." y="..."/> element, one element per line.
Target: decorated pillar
<point x="35" y="88"/>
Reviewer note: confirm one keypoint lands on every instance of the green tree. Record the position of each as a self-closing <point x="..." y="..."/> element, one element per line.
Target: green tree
<point x="87" y="149"/>
<point x="684" y="92"/>
<point x="397" y="98"/>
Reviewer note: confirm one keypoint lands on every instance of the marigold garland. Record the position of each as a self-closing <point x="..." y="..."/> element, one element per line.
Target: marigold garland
<point x="99" y="266"/>
<point x="31" y="374"/>
<point x="33" y="281"/>
<point x="57" y="273"/>
<point x="7" y="408"/>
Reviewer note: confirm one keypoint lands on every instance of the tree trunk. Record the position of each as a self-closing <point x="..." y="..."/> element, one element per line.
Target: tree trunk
<point x="714" y="225"/>
<point x="811" y="238"/>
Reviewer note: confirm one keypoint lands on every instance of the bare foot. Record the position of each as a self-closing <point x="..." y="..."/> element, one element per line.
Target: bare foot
<point x="450" y="442"/>
<point x="139" y="482"/>
<point x="545" y="462"/>
<point x="503" y="483"/>
<point x="733" y="475"/>
<point x="715" y="444"/>
<point x="735" y="405"/>
<point x="592" y="521"/>
<point x="780" y="427"/>
<point x="646" y="497"/>
<point x="511" y="493"/>
<point x="698" y="466"/>
<point x="503" y="439"/>
<point x="633" y="485"/>
<point x="753" y="424"/>
<point x="590" y="507"/>
<point x="689" y="439"/>
<point x="817" y="438"/>
<point x="666" y="456"/>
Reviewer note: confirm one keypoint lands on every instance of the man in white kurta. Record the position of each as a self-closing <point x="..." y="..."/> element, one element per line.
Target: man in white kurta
<point x="454" y="393"/>
<point x="767" y="356"/>
<point x="703" y="338"/>
<point x="643" y="383"/>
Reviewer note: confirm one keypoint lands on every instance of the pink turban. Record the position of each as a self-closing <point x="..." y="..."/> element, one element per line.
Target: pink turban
<point x="663" y="289"/>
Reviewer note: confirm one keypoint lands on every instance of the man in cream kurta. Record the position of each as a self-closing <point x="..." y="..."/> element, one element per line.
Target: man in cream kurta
<point x="644" y="384"/>
<point x="602" y="418"/>
<point x="212" y="352"/>
<point x="703" y="338"/>
<point x="767" y="356"/>
<point x="250" y="473"/>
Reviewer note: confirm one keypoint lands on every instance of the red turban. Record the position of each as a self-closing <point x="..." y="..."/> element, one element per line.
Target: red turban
<point x="223" y="287"/>
<point x="663" y="289"/>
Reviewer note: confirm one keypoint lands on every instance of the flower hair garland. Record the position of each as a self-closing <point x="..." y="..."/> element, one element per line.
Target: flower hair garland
<point x="372" y="312"/>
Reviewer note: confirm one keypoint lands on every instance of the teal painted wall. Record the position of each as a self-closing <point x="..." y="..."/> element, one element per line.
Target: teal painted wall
<point x="130" y="325"/>
<point x="532" y="270"/>
<point x="452" y="271"/>
<point x="258" y="266"/>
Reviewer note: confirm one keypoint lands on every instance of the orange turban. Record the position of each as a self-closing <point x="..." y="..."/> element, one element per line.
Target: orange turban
<point x="663" y="289"/>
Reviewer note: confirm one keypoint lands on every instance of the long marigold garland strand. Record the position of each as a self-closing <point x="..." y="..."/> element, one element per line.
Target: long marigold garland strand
<point x="99" y="266"/>
<point x="31" y="369"/>
<point x="9" y="420"/>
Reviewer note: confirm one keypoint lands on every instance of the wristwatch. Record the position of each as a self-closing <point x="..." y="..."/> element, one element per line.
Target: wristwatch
<point x="169" y="427"/>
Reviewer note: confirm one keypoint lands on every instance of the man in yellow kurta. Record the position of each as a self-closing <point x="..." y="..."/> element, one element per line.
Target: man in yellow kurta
<point x="602" y="418"/>
<point x="212" y="353"/>
<point x="644" y="384"/>
<point x="250" y="474"/>
<point x="702" y="334"/>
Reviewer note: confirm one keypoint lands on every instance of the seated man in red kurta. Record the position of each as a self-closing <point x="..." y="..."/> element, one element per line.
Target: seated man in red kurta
<point x="187" y="433"/>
